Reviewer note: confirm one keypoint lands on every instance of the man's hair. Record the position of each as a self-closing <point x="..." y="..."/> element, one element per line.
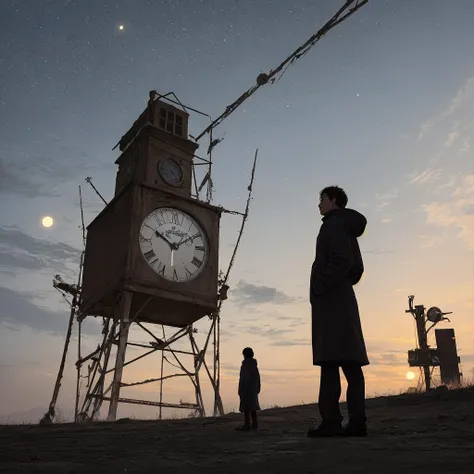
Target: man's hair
<point x="247" y="353"/>
<point x="337" y="193"/>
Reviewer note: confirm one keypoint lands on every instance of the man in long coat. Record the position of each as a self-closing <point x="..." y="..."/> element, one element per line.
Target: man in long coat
<point x="337" y="337"/>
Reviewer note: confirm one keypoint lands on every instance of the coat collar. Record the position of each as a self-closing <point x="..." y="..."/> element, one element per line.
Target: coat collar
<point x="330" y="213"/>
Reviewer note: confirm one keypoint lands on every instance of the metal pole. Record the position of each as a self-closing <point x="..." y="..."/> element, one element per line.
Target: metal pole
<point x="162" y="366"/>
<point x="125" y="307"/>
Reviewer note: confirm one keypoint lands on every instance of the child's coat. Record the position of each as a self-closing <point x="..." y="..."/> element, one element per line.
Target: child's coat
<point x="249" y="385"/>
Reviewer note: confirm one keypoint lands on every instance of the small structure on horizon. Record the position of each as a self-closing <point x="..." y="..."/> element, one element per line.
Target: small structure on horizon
<point x="427" y="358"/>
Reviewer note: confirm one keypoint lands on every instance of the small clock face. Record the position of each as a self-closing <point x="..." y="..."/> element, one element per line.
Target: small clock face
<point x="170" y="171"/>
<point x="173" y="244"/>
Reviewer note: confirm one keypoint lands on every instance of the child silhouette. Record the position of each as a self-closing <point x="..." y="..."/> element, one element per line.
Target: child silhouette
<point x="249" y="388"/>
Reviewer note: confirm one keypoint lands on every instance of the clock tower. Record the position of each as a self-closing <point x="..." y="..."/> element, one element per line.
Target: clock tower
<point x="152" y="253"/>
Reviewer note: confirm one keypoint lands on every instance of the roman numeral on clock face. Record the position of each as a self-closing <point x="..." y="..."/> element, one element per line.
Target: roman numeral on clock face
<point x="144" y="241"/>
<point x="149" y="255"/>
<point x="196" y="262"/>
<point x="160" y="220"/>
<point x="174" y="218"/>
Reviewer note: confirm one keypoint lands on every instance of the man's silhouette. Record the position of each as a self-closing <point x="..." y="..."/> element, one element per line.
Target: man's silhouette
<point x="336" y="330"/>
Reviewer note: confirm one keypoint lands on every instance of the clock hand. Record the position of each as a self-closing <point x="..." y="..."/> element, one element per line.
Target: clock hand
<point x="184" y="241"/>
<point x="172" y="245"/>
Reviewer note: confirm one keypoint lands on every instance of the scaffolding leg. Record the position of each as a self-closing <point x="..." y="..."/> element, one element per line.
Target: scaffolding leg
<point x="125" y="307"/>
<point x="49" y="416"/>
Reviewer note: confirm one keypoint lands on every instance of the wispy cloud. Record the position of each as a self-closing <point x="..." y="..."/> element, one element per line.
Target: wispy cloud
<point x="19" y="250"/>
<point x="457" y="213"/>
<point x="451" y="139"/>
<point x="427" y="176"/>
<point x="292" y="321"/>
<point x="267" y="331"/>
<point x="463" y="97"/>
<point x="379" y="251"/>
<point x="246" y="294"/>
<point x="18" y="310"/>
<point x="291" y="342"/>
<point x="385" y="199"/>
<point x="45" y="173"/>
<point x="388" y="358"/>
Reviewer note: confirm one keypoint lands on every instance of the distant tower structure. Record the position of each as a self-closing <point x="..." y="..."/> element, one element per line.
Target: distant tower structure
<point x="427" y="358"/>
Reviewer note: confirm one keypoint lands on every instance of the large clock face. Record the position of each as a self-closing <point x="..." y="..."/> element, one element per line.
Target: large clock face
<point x="173" y="244"/>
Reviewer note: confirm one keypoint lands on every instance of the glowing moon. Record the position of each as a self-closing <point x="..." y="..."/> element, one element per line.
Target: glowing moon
<point x="410" y="375"/>
<point x="121" y="27"/>
<point x="47" y="221"/>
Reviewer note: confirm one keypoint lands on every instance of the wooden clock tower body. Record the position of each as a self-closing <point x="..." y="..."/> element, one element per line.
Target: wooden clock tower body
<point x="118" y="284"/>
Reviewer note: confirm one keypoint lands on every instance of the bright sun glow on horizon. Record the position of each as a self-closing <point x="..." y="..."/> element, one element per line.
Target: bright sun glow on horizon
<point x="410" y="375"/>
<point x="47" y="221"/>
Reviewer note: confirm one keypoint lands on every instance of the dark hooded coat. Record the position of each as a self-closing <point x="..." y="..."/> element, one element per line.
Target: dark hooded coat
<point x="336" y="329"/>
<point x="249" y="385"/>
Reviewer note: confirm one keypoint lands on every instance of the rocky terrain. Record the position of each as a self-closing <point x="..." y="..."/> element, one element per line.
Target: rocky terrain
<point x="428" y="433"/>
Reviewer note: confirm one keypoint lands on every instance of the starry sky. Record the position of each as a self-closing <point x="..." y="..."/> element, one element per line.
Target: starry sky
<point x="382" y="106"/>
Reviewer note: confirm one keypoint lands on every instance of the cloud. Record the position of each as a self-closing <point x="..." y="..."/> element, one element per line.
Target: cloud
<point x="457" y="213"/>
<point x="402" y="290"/>
<point x="379" y="251"/>
<point x="389" y="359"/>
<point x="466" y="146"/>
<point x="267" y="331"/>
<point x="427" y="176"/>
<point x="45" y="172"/>
<point x="452" y="137"/>
<point x="246" y="294"/>
<point x="464" y="96"/>
<point x="452" y="132"/>
<point x="433" y="240"/>
<point x="385" y="199"/>
<point x="13" y="181"/>
<point x="292" y="321"/>
<point x="23" y="251"/>
<point x="291" y="342"/>
<point x="17" y="310"/>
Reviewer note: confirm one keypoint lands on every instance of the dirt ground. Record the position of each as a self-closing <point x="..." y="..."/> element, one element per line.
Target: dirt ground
<point x="408" y="434"/>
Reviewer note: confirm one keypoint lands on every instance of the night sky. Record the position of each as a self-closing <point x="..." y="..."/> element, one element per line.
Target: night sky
<point x="382" y="106"/>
